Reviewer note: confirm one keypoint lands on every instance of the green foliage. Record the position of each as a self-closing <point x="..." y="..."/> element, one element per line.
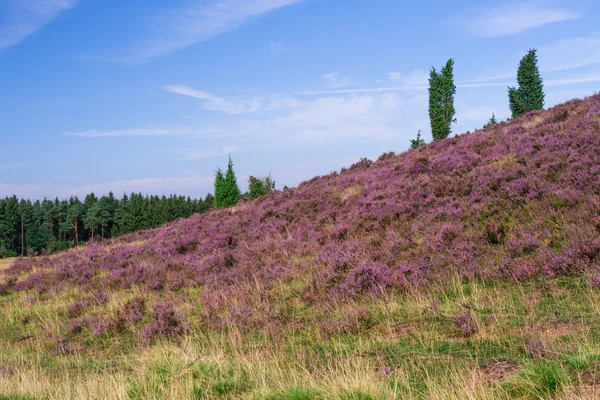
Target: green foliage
<point x="538" y="381"/>
<point x="441" y="100"/>
<point x="260" y="186"/>
<point x="530" y="93"/>
<point x="227" y="192"/>
<point x="52" y="226"/>
<point x="296" y="394"/>
<point x="5" y="253"/>
<point x="492" y="121"/>
<point x="414" y="143"/>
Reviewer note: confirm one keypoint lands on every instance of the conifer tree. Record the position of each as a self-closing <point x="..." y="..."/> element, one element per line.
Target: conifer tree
<point x="441" y="100"/>
<point x="491" y="121"/>
<point x="530" y="93"/>
<point x="414" y="143"/>
<point x="227" y="192"/>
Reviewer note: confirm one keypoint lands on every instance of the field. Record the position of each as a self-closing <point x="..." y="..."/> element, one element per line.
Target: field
<point x="478" y="340"/>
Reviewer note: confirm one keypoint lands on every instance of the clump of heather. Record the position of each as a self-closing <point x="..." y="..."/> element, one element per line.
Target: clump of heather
<point x="545" y="349"/>
<point x="467" y="324"/>
<point x="165" y="322"/>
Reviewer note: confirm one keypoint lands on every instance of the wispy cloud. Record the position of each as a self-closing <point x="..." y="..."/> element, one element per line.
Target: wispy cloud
<point x="11" y="166"/>
<point x="570" y="53"/>
<point x="560" y="55"/>
<point x="198" y="22"/>
<point x="134" y="132"/>
<point x="216" y="103"/>
<point x="395" y="76"/>
<point x="23" y="18"/>
<point x="199" y="153"/>
<point x="514" y="17"/>
<point x="238" y="105"/>
<point x="336" y="80"/>
<point x="482" y="113"/>
<point x="277" y="47"/>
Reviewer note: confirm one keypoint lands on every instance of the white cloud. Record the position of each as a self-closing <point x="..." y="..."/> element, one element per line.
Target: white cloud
<point x="570" y="53"/>
<point x="477" y="114"/>
<point x="12" y="166"/>
<point x="560" y="55"/>
<point x="198" y="153"/>
<point x="416" y="78"/>
<point x="336" y="80"/>
<point x="198" y="22"/>
<point x="23" y="18"/>
<point x="178" y="131"/>
<point x="277" y="47"/>
<point x="159" y="186"/>
<point x="239" y="105"/>
<point x="395" y="76"/>
<point x="515" y="17"/>
<point x="216" y="103"/>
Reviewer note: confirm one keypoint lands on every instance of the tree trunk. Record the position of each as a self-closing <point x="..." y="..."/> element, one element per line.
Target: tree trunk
<point x="22" y="235"/>
<point x="76" y="234"/>
<point x="102" y="231"/>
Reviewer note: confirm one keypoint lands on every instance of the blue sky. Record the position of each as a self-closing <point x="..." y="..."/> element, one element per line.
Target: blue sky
<point x="151" y="96"/>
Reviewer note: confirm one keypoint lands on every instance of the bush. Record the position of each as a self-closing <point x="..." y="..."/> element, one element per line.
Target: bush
<point x="5" y="253"/>
<point x="260" y="186"/>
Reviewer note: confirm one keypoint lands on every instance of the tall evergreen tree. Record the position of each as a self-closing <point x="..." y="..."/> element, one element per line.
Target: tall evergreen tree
<point x="530" y="93"/>
<point x="227" y="192"/>
<point x="441" y="100"/>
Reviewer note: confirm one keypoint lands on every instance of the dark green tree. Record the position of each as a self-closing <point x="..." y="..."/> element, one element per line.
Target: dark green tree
<point x="227" y="192"/>
<point x="529" y="95"/>
<point x="491" y="121"/>
<point x="260" y="186"/>
<point x="441" y="100"/>
<point x="414" y="143"/>
<point x="75" y="216"/>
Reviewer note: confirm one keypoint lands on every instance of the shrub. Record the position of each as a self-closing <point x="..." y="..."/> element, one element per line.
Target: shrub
<point x="165" y="322"/>
<point x="260" y="186"/>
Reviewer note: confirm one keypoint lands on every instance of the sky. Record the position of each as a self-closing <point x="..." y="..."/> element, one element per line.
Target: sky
<point x="152" y="96"/>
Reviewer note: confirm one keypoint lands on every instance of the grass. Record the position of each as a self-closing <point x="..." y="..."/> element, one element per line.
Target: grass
<point x="5" y="263"/>
<point x="407" y="347"/>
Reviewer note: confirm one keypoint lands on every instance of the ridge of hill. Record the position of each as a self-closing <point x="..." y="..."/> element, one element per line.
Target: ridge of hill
<point x="515" y="203"/>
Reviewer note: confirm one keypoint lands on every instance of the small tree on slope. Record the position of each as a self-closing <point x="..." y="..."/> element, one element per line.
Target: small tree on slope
<point x="414" y="143"/>
<point x="227" y="192"/>
<point x="441" y="100"/>
<point x="491" y="121"/>
<point x="530" y="93"/>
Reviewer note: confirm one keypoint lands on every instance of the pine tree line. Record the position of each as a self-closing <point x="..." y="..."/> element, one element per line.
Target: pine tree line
<point x="28" y="228"/>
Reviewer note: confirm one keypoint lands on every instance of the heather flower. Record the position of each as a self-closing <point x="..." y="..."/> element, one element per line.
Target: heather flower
<point x="545" y="349"/>
<point x="165" y="322"/>
<point x="372" y="278"/>
<point x="467" y="324"/>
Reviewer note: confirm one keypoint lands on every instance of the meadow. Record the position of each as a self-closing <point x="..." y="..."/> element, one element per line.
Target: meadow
<point x="468" y="268"/>
<point x="534" y="340"/>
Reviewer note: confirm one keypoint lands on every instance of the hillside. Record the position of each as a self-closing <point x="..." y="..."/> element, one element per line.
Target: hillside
<point x="386" y="250"/>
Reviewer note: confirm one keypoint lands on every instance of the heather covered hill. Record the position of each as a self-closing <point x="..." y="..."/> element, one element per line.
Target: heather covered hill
<point x="474" y="259"/>
<point x="517" y="200"/>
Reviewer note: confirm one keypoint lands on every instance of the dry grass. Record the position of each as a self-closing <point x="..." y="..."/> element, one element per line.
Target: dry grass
<point x="406" y="348"/>
<point x="6" y="262"/>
